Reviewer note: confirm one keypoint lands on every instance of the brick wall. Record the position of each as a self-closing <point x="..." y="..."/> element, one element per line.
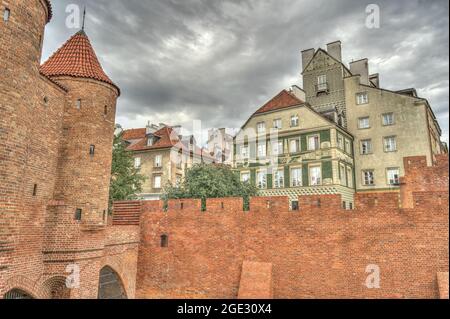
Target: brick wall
<point x="320" y="251"/>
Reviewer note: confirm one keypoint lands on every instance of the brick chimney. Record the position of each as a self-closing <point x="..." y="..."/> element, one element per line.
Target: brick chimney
<point x="361" y="67"/>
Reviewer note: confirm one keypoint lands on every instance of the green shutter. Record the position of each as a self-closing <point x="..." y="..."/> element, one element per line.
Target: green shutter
<point x="305" y="175"/>
<point x="325" y="136"/>
<point x="253" y="176"/>
<point x="327" y="170"/>
<point x="287" y="177"/>
<point x="304" y="143"/>
<point x="269" y="181"/>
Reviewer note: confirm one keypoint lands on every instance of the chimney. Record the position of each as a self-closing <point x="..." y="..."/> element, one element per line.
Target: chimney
<point x="298" y="93"/>
<point x="361" y="67"/>
<point x="375" y="79"/>
<point x="150" y="129"/>
<point x="335" y="50"/>
<point x="307" y="56"/>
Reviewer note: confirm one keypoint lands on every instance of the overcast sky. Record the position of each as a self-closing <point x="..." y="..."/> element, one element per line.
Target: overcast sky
<point x="218" y="61"/>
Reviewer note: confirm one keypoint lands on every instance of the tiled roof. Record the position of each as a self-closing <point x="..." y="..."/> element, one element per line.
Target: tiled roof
<point x="76" y="58"/>
<point x="283" y="100"/>
<point x="167" y="139"/>
<point x="50" y="12"/>
<point x="134" y="134"/>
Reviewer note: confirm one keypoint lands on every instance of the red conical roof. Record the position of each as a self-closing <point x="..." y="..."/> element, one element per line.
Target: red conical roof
<point x="76" y="58"/>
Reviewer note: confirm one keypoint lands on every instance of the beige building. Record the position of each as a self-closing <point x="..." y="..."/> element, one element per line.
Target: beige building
<point x="387" y="126"/>
<point x="288" y="149"/>
<point x="162" y="155"/>
<point x="220" y="146"/>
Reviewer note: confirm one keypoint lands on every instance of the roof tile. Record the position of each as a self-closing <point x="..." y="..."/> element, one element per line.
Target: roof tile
<point x="283" y="100"/>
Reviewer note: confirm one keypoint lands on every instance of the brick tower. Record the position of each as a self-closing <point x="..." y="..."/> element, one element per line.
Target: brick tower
<point x="26" y="184"/>
<point x="88" y="129"/>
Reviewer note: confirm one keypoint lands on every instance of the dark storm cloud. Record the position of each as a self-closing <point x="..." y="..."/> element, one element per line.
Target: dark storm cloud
<point x="218" y="61"/>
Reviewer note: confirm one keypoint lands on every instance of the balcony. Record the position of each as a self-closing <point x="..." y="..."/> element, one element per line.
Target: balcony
<point x="322" y="88"/>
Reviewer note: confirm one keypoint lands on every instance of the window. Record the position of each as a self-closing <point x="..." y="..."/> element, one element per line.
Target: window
<point x="390" y="144"/>
<point x="261" y="149"/>
<point x="261" y="128"/>
<point x="34" y="189"/>
<point x="150" y="141"/>
<point x="78" y="214"/>
<point x="245" y="177"/>
<point x="92" y="150"/>
<point x="393" y="176"/>
<point x="366" y="147"/>
<point x="164" y="241"/>
<point x="278" y="179"/>
<point x="158" y="161"/>
<point x="348" y="146"/>
<point x="322" y="83"/>
<point x="362" y="98"/>
<point x="277" y="148"/>
<point x="340" y="141"/>
<point x="313" y="143"/>
<point x="388" y="119"/>
<point x="294" y="121"/>
<point x="342" y="175"/>
<point x="6" y="14"/>
<point x="349" y="177"/>
<point x="296" y="177"/>
<point x="78" y="104"/>
<point x="105" y="110"/>
<point x="244" y="151"/>
<point x="344" y="205"/>
<point x="294" y="146"/>
<point x="277" y="124"/>
<point x="364" y="123"/>
<point x="295" y="205"/>
<point x="315" y="174"/>
<point x="137" y="162"/>
<point x="261" y="179"/>
<point x="157" y="182"/>
<point x="46" y="101"/>
<point x="368" y="178"/>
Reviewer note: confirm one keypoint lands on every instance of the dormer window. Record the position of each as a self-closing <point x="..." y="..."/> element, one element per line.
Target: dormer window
<point x="6" y="14"/>
<point x="150" y="141"/>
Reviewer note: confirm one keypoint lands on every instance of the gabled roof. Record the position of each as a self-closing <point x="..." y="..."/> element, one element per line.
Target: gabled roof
<point x="283" y="100"/>
<point x="165" y="139"/>
<point x="134" y="134"/>
<point x="324" y="51"/>
<point x="76" y="58"/>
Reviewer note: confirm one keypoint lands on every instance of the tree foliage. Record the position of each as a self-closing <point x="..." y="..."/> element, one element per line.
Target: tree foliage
<point x="204" y="181"/>
<point x="126" y="181"/>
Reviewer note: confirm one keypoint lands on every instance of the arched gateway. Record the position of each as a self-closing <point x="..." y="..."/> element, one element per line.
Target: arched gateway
<point x="17" y="294"/>
<point x="110" y="286"/>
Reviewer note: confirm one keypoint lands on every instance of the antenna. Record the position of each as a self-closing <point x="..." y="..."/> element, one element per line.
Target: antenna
<point x="84" y="18"/>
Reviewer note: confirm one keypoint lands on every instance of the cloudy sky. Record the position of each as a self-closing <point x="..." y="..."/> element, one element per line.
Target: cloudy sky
<point x="218" y="61"/>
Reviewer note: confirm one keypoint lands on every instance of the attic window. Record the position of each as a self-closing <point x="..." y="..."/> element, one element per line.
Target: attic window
<point x="164" y="241"/>
<point x="6" y="14"/>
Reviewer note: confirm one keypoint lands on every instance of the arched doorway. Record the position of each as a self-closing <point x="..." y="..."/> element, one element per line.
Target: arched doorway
<point x="110" y="286"/>
<point x="17" y="294"/>
<point x="56" y="288"/>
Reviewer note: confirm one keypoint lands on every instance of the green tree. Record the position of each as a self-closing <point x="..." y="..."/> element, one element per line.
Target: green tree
<point x="126" y="181"/>
<point x="204" y="181"/>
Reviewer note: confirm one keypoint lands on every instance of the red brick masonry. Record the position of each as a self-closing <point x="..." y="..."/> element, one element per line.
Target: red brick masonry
<point x="317" y="252"/>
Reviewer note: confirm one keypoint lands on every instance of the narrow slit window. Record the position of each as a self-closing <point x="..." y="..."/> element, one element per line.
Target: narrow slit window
<point x="164" y="241"/>
<point x="35" y="190"/>
<point x="78" y="104"/>
<point x="105" y="110"/>
<point x="6" y="14"/>
<point x="92" y="150"/>
<point x="78" y="214"/>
